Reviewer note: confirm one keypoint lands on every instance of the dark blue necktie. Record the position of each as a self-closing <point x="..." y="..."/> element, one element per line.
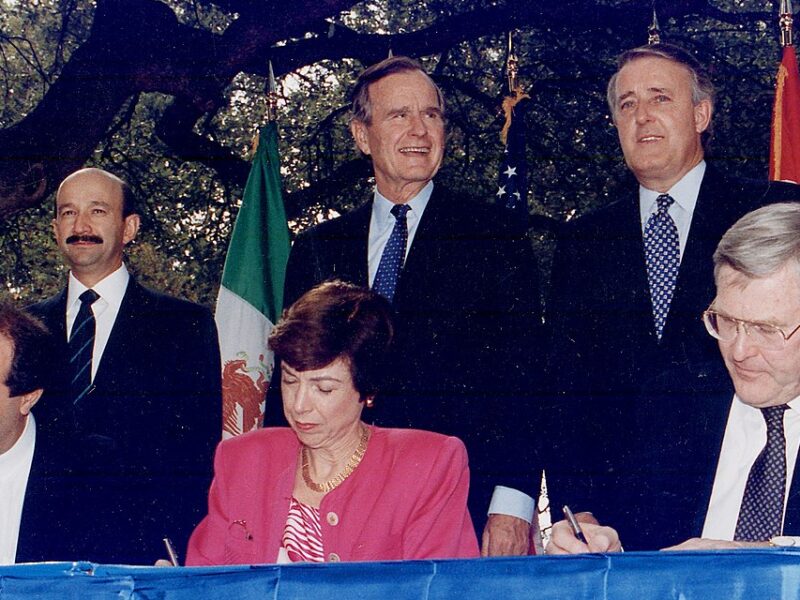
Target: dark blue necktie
<point x="394" y="254"/>
<point x="761" y="513"/>
<point x="81" y="345"/>
<point x="662" y="252"/>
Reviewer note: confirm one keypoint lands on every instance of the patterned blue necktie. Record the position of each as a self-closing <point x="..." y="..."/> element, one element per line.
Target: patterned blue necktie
<point x="81" y="345"/>
<point x="662" y="252"/>
<point x="761" y="513"/>
<point x="394" y="254"/>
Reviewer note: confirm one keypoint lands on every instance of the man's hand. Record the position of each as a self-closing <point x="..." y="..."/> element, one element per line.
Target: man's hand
<point x="505" y="535"/>
<point x="707" y="544"/>
<point x="599" y="538"/>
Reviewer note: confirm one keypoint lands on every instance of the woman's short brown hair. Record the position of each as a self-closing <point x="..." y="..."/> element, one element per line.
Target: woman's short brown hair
<point x="337" y="320"/>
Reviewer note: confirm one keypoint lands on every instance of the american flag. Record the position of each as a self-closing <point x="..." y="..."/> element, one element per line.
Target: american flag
<point x="512" y="188"/>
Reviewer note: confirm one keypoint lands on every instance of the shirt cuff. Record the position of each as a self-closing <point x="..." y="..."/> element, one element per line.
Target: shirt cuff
<point x="511" y="502"/>
<point x="785" y="541"/>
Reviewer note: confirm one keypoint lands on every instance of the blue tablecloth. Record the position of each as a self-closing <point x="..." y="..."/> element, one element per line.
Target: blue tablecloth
<point x="745" y="574"/>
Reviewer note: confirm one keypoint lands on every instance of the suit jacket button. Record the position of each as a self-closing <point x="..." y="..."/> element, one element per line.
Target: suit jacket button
<point x="333" y="519"/>
<point x="333" y="557"/>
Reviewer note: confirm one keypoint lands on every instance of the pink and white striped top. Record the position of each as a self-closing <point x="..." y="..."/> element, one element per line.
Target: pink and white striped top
<point x="302" y="536"/>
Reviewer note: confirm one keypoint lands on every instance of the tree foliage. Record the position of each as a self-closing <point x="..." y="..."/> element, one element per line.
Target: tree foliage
<point x="168" y="95"/>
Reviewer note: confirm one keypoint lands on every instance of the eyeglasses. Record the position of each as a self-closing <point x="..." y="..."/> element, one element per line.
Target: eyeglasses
<point x="764" y="335"/>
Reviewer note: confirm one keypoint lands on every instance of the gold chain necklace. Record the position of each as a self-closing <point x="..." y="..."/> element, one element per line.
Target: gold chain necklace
<point x="334" y="482"/>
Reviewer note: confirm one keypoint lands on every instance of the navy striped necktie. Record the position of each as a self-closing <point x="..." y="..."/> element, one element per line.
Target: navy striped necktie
<point x="394" y="254"/>
<point x="81" y="345"/>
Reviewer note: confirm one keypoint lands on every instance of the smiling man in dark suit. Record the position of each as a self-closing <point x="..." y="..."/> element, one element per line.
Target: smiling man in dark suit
<point x="460" y="275"/>
<point x="630" y="281"/>
<point x="138" y="390"/>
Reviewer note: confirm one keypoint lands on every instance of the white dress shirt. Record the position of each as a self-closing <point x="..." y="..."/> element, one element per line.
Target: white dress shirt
<point x="382" y="222"/>
<point x="745" y="437"/>
<point x="106" y="308"/>
<point x="15" y="467"/>
<point x="685" y="193"/>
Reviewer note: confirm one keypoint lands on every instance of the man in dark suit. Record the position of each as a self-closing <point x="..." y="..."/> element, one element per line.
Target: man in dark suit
<point x="138" y="388"/>
<point x="630" y="281"/>
<point x="460" y="275"/>
<point x="35" y="481"/>
<point x="721" y="470"/>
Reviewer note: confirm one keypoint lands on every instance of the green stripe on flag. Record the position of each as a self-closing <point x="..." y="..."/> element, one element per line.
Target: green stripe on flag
<point x="255" y="266"/>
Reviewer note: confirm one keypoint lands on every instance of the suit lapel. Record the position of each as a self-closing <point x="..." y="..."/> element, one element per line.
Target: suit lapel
<point x="711" y="421"/>
<point x="53" y="313"/>
<point x="695" y="281"/>
<point x="360" y="245"/>
<point x="34" y="522"/>
<point x="352" y="249"/>
<point x="628" y="249"/>
<point x="115" y="347"/>
<point x="47" y="513"/>
<point x="719" y="204"/>
<point x="791" y="524"/>
<point x="424" y="254"/>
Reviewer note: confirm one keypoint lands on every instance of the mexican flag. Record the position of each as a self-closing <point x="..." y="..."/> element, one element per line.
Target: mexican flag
<point x="251" y="292"/>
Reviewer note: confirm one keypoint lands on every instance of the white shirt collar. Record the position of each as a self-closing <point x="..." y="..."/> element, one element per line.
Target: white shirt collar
<point x="111" y="288"/>
<point x="793" y="404"/>
<point x="22" y="449"/>
<point x="382" y="206"/>
<point x="684" y="192"/>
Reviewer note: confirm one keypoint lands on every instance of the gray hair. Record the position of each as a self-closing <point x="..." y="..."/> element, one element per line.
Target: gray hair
<point x="762" y="242"/>
<point x="362" y="108"/>
<point x="702" y="87"/>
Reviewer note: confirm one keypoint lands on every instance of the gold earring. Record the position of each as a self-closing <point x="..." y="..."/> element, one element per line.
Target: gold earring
<point x="370" y="402"/>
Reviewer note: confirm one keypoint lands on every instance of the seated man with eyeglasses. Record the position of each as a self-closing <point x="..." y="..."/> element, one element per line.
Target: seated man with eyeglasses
<point x="717" y="470"/>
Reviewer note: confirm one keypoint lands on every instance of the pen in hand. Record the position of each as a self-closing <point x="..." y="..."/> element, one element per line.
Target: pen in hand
<point x="573" y="522"/>
<point x="173" y="556"/>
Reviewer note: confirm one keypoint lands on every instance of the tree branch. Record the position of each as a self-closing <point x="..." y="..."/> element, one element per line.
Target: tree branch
<point x="139" y="45"/>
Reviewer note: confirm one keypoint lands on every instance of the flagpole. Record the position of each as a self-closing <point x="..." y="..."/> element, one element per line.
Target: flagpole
<point x="784" y="159"/>
<point x="272" y="96"/>
<point x="512" y="183"/>
<point x="654" y="31"/>
<point x="512" y="65"/>
<point x="785" y="21"/>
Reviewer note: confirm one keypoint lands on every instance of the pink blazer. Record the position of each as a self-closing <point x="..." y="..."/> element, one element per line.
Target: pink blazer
<point x="407" y="499"/>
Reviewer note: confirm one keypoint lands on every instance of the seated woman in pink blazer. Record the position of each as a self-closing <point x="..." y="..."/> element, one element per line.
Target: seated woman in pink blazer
<point x="332" y="488"/>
